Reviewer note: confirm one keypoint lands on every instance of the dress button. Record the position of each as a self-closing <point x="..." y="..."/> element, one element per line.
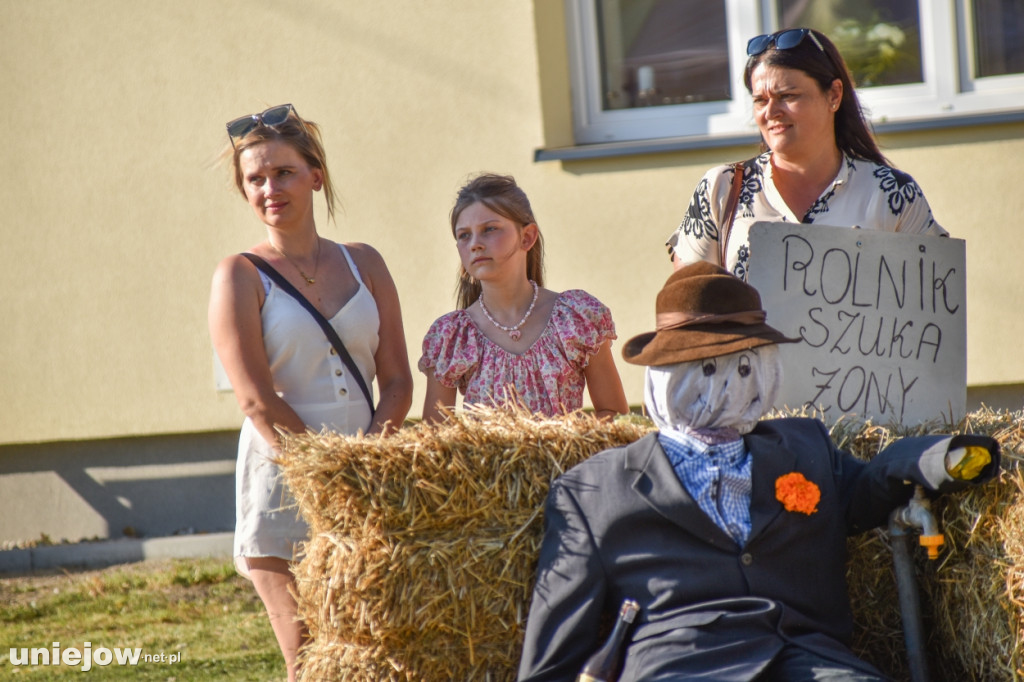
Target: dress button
<point x="333" y="352"/>
<point x="747" y="559"/>
<point x="342" y="392"/>
<point x="337" y="372"/>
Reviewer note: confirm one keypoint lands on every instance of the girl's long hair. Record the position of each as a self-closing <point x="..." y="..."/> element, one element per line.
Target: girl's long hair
<point x="501" y="194"/>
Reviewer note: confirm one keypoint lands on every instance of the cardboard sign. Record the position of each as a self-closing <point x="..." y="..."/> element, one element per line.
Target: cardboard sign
<point x="881" y="318"/>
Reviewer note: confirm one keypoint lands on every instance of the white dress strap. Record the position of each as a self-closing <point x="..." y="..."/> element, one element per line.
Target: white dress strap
<point x="351" y="263"/>
<point x="267" y="283"/>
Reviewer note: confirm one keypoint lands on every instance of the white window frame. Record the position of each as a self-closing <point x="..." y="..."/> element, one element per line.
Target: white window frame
<point x="948" y="91"/>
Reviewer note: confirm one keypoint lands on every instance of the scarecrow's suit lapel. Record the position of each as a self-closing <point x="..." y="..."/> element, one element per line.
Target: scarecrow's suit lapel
<point x="656" y="482"/>
<point x="769" y="461"/>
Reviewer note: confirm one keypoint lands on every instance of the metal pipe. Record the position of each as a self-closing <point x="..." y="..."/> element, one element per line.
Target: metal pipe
<point x="916" y="514"/>
<point x="910" y="608"/>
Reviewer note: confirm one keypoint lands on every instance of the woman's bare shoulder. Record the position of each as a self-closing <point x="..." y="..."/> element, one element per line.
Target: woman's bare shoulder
<point x="236" y="267"/>
<point x="367" y="258"/>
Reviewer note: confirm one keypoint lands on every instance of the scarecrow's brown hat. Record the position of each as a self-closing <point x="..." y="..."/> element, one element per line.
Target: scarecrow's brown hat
<point x="703" y="312"/>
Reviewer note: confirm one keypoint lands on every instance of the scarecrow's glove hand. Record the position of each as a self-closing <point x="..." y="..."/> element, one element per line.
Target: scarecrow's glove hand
<point x="965" y="463"/>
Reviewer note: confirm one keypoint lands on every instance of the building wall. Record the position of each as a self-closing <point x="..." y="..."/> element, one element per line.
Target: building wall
<point x="116" y="210"/>
<point x="152" y="486"/>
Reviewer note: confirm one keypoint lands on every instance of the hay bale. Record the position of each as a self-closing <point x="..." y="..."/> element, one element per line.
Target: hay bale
<point x="423" y="544"/>
<point x="423" y="547"/>
<point x="972" y="597"/>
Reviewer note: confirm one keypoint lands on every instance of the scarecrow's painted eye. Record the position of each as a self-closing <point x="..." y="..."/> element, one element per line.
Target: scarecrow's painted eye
<point x="744" y="368"/>
<point x="709" y="367"/>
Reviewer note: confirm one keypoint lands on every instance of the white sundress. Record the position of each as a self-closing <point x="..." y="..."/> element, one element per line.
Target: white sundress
<point x="313" y="380"/>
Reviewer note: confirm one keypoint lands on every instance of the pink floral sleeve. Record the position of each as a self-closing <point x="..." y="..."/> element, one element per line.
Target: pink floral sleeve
<point x="548" y="378"/>
<point x="451" y="350"/>
<point x="584" y="324"/>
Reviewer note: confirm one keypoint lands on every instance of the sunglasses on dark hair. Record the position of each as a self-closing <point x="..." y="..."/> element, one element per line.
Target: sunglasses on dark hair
<point x="783" y="40"/>
<point x="274" y="116"/>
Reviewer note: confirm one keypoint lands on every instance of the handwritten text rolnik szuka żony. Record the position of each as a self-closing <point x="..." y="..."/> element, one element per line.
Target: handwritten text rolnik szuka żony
<point x="876" y="308"/>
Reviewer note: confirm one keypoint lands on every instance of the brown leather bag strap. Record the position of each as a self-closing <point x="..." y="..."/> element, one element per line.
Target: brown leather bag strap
<point x="729" y="215"/>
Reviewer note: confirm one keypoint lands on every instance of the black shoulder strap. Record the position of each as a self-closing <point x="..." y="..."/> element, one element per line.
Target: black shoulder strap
<point x="332" y="335"/>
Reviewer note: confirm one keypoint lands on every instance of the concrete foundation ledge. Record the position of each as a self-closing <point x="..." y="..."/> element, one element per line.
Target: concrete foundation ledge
<point x="108" y="553"/>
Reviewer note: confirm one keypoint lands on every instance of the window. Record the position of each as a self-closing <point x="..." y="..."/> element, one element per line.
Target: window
<point x="997" y="29"/>
<point x="662" y="53"/>
<point x="650" y="69"/>
<point x="880" y="40"/>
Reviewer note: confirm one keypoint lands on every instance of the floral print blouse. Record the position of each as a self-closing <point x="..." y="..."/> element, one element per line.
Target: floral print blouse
<point x="547" y="378"/>
<point x="863" y="194"/>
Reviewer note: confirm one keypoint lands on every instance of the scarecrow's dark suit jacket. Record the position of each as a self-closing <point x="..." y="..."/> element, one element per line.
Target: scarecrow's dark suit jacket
<point x="621" y="525"/>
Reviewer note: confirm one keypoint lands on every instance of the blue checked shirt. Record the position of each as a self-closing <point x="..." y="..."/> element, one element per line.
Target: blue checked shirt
<point x="716" y="476"/>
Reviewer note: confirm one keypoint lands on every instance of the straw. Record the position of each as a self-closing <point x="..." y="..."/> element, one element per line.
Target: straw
<point x="423" y="548"/>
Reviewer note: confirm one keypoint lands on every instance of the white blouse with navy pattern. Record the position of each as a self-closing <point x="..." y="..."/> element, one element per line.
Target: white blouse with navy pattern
<point x="864" y="194"/>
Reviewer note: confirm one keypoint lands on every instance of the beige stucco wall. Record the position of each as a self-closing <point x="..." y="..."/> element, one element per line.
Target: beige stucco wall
<point x="115" y="214"/>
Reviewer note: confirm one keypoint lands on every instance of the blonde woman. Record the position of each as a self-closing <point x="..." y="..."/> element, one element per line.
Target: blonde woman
<point x="286" y="373"/>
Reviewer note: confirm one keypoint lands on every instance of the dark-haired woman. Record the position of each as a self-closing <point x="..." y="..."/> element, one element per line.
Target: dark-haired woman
<point x="819" y="161"/>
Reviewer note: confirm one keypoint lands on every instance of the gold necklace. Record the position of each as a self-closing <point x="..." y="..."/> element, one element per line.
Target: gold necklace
<point x="513" y="331"/>
<point x="316" y="263"/>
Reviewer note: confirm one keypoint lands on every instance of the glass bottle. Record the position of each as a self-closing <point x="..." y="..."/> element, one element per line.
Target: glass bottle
<point x="605" y="664"/>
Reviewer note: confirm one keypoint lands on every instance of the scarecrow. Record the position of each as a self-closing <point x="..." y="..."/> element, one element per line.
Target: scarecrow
<point x="727" y="529"/>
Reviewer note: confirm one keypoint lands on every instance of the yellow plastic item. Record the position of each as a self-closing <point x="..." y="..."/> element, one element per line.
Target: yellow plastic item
<point x="932" y="544"/>
<point x="970" y="464"/>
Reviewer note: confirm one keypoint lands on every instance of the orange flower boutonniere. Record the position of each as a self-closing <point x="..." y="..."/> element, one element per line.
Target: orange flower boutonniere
<point x="797" y="494"/>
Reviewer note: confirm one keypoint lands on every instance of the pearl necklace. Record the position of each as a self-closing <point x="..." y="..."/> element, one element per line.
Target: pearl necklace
<point x="316" y="263"/>
<point x="513" y="331"/>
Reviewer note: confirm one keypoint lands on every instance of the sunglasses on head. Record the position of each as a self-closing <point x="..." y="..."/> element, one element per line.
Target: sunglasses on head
<point x="274" y="116"/>
<point x="783" y="40"/>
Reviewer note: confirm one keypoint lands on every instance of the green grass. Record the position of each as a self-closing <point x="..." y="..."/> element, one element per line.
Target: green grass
<point x="198" y="609"/>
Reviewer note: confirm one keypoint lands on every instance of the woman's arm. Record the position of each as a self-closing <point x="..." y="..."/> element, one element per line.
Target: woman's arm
<point x="696" y="237"/>
<point x="394" y="378"/>
<point x="237" y="334"/>
<point x="438" y="396"/>
<point x="917" y="218"/>
<point x="604" y="384"/>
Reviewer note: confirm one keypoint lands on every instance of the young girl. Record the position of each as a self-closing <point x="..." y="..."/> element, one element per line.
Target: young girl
<point x="511" y="340"/>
